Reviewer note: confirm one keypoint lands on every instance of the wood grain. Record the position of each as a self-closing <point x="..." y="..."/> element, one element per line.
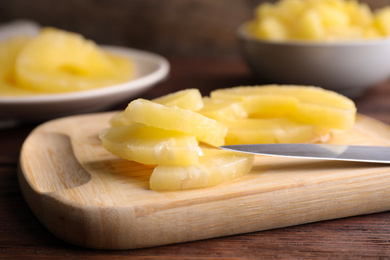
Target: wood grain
<point x="90" y="198"/>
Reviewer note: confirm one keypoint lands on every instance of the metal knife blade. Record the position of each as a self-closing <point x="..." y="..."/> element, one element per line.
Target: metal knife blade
<point x="373" y="154"/>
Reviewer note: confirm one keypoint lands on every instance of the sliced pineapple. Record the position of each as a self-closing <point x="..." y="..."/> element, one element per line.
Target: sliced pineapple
<point x="9" y="51"/>
<point x="153" y="114"/>
<point x="149" y="145"/>
<point x="190" y="99"/>
<point x="60" y="61"/>
<point x="119" y="120"/>
<point x="270" y="105"/>
<point x="223" y="111"/>
<point x="167" y="135"/>
<point x="273" y="130"/>
<point x="216" y="166"/>
<point x="303" y="104"/>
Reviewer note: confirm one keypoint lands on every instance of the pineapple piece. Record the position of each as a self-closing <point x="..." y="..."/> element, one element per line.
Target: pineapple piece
<point x="190" y="99"/>
<point x="119" y="120"/>
<point x="284" y="9"/>
<point x="9" y="51"/>
<point x="333" y="16"/>
<point x="187" y="99"/>
<point x="324" y="116"/>
<point x="273" y="130"/>
<point x="270" y="105"/>
<point x="60" y="61"/>
<point x="153" y="114"/>
<point x="271" y="28"/>
<point x="167" y="136"/>
<point x="215" y="167"/>
<point x="149" y="145"/>
<point x="382" y="20"/>
<point x="223" y="111"/>
<point x="318" y="20"/>
<point x="317" y="106"/>
<point x="310" y="26"/>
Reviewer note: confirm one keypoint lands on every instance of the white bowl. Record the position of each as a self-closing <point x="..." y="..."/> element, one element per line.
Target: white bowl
<point x="149" y="70"/>
<point x="345" y="67"/>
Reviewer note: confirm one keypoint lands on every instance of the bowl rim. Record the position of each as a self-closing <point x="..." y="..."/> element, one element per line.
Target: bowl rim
<point x="243" y="34"/>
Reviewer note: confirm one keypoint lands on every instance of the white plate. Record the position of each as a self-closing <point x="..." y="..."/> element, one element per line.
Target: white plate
<point x="150" y="69"/>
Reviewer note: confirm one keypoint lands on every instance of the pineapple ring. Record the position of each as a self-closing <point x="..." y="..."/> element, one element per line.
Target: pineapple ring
<point x="223" y="111"/>
<point x="217" y="166"/>
<point x="9" y="50"/>
<point x="312" y="105"/>
<point x="60" y="61"/>
<point x="150" y="113"/>
<point x="273" y="130"/>
<point x="149" y="145"/>
<point x="190" y="99"/>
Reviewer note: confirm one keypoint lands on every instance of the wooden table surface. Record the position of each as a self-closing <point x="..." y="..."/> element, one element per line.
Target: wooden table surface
<point x="22" y="236"/>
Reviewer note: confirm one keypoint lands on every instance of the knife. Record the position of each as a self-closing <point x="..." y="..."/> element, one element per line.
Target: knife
<point x="357" y="153"/>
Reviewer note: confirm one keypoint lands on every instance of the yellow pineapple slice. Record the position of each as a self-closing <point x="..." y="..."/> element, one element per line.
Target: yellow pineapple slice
<point x="187" y="99"/>
<point x="60" y="61"/>
<point x="168" y="136"/>
<point x="317" y="106"/>
<point x="190" y="99"/>
<point x="273" y="130"/>
<point x="119" y="120"/>
<point x="269" y="106"/>
<point x="323" y="116"/>
<point x="223" y="111"/>
<point x="382" y="20"/>
<point x="9" y="50"/>
<point x="215" y="167"/>
<point x="149" y="145"/>
<point x="153" y="114"/>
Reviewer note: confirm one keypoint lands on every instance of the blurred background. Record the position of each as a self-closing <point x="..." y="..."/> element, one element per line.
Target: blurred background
<point x="168" y="27"/>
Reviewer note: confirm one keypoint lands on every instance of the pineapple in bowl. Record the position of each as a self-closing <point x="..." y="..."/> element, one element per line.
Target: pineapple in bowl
<point x="336" y="44"/>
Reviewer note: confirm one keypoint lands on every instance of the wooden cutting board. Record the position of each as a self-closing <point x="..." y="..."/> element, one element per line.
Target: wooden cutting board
<point x="88" y="197"/>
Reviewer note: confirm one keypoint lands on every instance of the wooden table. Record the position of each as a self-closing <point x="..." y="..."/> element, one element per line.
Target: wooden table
<point x="22" y="236"/>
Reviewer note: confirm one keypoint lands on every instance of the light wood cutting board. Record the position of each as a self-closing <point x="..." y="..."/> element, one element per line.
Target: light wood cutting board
<point x="88" y="197"/>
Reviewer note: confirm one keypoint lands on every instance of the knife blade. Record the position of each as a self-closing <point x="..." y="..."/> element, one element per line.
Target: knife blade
<point x="357" y="153"/>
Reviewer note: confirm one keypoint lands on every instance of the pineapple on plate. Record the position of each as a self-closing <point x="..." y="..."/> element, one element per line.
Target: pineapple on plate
<point x="223" y="111"/>
<point x="58" y="61"/>
<point x="273" y="130"/>
<point x="9" y="50"/>
<point x="190" y="99"/>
